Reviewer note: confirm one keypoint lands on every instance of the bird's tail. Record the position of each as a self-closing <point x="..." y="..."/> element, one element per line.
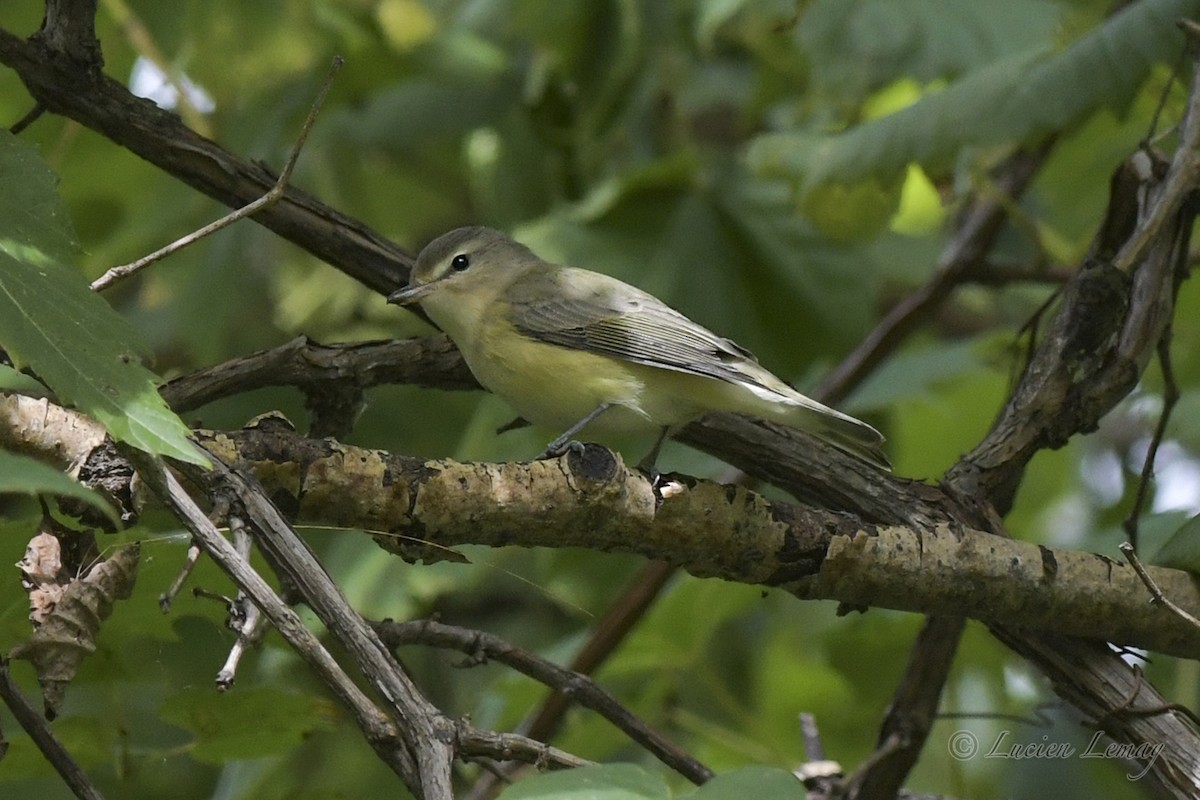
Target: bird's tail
<point x="843" y="431"/>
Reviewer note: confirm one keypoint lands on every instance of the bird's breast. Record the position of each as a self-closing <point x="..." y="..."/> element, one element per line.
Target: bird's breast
<point x="554" y="386"/>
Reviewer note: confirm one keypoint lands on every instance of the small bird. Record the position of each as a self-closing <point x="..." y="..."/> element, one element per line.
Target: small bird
<point x="571" y="349"/>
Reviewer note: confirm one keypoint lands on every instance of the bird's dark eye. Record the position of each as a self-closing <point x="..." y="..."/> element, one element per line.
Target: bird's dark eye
<point x="460" y="262"/>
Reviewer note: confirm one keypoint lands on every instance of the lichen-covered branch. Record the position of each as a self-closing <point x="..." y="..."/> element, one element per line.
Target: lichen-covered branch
<point x="420" y="509"/>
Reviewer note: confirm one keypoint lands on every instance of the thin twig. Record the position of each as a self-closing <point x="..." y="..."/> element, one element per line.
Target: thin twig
<point x="143" y="43"/>
<point x="616" y="624"/>
<point x="1156" y="594"/>
<point x="218" y="514"/>
<point x="810" y="736"/>
<point x="30" y="117"/>
<point x="167" y="598"/>
<point x="822" y="777"/>
<point x="119" y="273"/>
<point x="245" y="618"/>
<point x="1165" y="94"/>
<point x="1170" y="398"/>
<point x="579" y="687"/>
<point x="1004" y="273"/>
<point x="39" y="731"/>
<point x="1190" y="29"/>
<point x="251" y="629"/>
<point x="474" y="743"/>
<point x="960" y="261"/>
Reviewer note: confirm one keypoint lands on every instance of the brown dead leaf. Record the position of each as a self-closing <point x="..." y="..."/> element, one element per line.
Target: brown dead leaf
<point x="42" y="575"/>
<point x="68" y="633"/>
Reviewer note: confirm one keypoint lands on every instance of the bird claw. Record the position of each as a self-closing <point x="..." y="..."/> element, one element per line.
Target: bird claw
<point x="557" y="449"/>
<point x="652" y="474"/>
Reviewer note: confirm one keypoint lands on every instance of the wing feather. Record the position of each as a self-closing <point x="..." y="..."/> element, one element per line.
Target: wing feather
<point x="594" y="312"/>
<point x="599" y="314"/>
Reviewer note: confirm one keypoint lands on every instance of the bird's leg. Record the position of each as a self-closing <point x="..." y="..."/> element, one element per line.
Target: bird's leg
<point x="646" y="465"/>
<point x="563" y="442"/>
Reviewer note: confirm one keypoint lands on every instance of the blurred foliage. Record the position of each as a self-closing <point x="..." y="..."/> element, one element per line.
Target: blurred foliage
<point x="629" y="782"/>
<point x="782" y="171"/>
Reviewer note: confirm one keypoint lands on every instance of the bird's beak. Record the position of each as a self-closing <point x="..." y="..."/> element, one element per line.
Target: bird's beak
<point x="413" y="293"/>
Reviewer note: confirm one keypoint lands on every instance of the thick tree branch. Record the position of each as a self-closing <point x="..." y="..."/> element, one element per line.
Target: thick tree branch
<point x="433" y="362"/>
<point x="1116" y="699"/>
<point x="710" y="530"/>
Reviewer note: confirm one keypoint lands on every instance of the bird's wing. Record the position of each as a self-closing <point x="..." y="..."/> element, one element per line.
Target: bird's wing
<point x="599" y="314"/>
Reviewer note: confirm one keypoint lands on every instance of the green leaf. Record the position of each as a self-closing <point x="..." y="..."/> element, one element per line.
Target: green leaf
<point x="858" y="46"/>
<point x="1021" y="96"/>
<point x="23" y="475"/>
<point x="20" y="383"/>
<point x="1182" y="550"/>
<point x="90" y="741"/>
<point x="917" y="373"/>
<point x="760" y="783"/>
<point x="51" y="321"/>
<point x="248" y="723"/>
<point x="605" y="782"/>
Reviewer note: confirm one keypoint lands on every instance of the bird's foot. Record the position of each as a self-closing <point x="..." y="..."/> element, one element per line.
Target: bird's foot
<point x="651" y="472"/>
<point x="559" y="448"/>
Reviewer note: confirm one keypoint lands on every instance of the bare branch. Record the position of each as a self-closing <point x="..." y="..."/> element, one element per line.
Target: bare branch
<point x="474" y="743"/>
<point x="1171" y="396"/>
<point x="33" y="723"/>
<point x="379" y="730"/>
<point x="912" y="713"/>
<point x="612" y="629"/>
<point x="963" y="257"/>
<point x="62" y="86"/>
<point x="431" y="362"/>
<point x="1156" y="593"/>
<point x="481" y="646"/>
<point x="120" y="273"/>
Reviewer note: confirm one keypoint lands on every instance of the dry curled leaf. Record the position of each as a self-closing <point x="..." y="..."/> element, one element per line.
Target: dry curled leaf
<point x="42" y="575"/>
<point x="68" y="633"/>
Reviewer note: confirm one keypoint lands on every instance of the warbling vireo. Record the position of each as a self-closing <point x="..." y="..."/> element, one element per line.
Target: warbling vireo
<point x="573" y="349"/>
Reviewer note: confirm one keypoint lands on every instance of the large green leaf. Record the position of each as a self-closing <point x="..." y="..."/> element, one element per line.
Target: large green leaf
<point x="51" y="321"/>
<point x="859" y="46"/>
<point x="1018" y="97"/>
<point x="1182" y="550"/>
<point x="251" y="723"/>
<point x="20" y="383"/>
<point x="23" y="475"/>
<point x="607" y="782"/>
<point x="761" y="783"/>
